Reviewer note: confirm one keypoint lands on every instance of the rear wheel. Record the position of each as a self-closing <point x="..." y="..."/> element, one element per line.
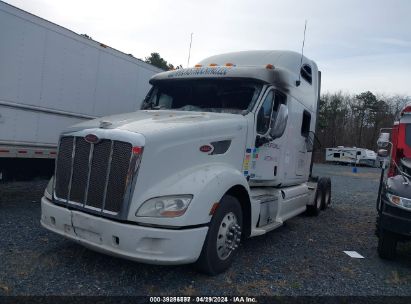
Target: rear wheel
<point x="387" y="245"/>
<point x="326" y="185"/>
<point x="223" y="237"/>
<point x="318" y="202"/>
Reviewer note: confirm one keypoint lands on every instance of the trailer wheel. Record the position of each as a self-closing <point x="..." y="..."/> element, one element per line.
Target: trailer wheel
<point x="223" y="237"/>
<point x="387" y="245"/>
<point x="327" y="192"/>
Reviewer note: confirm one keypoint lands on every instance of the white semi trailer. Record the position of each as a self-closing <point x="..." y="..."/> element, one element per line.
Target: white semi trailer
<point x="51" y="78"/>
<point x="218" y="153"/>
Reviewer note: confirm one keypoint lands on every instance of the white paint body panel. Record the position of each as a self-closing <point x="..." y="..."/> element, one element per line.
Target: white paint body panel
<point x="51" y="78"/>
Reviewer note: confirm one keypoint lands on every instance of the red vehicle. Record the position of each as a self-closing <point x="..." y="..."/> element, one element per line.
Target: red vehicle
<point x="394" y="195"/>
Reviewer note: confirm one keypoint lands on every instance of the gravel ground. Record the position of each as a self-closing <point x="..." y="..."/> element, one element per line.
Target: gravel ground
<point x="304" y="257"/>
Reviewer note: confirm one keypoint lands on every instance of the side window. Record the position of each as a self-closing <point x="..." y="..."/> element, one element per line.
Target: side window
<point x="305" y="126"/>
<point x="408" y="134"/>
<point x="279" y="98"/>
<point x="306" y="73"/>
<point x="264" y="115"/>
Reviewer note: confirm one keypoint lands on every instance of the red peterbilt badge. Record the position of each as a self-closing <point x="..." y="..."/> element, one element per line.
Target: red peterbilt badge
<point x="206" y="148"/>
<point x="91" y="138"/>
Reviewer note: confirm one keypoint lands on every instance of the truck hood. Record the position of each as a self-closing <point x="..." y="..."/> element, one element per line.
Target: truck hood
<point x="151" y="122"/>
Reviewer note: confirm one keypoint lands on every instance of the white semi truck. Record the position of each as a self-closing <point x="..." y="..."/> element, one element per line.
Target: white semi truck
<point x="51" y="78"/>
<point x="218" y="153"/>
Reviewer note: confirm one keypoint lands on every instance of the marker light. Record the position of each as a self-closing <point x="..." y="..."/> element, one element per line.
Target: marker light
<point x="229" y="64"/>
<point x="198" y="66"/>
<point x="213" y="64"/>
<point x="269" y="67"/>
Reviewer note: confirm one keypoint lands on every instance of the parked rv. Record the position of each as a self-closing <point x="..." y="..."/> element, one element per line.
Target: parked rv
<point x="51" y="78"/>
<point x="218" y="153"/>
<point x="351" y="156"/>
<point x="394" y="195"/>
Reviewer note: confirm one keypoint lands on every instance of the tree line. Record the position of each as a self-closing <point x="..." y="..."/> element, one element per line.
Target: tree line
<point x="355" y="120"/>
<point x="158" y="61"/>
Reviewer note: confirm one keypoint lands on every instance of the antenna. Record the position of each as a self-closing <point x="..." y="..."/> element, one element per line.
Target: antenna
<point x="298" y="82"/>
<point x="189" y="50"/>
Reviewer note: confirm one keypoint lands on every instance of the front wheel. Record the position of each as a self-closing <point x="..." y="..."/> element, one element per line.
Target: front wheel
<point x="387" y="245"/>
<point x="223" y="237"/>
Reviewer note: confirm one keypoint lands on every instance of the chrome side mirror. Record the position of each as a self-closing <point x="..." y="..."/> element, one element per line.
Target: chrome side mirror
<point x="383" y="140"/>
<point x="382" y="153"/>
<point x="278" y="129"/>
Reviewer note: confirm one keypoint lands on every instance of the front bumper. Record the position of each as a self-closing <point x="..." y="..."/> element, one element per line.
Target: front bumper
<point x="133" y="242"/>
<point x="395" y="219"/>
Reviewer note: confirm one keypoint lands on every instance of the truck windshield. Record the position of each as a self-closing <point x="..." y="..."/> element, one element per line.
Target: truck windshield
<point x="205" y="95"/>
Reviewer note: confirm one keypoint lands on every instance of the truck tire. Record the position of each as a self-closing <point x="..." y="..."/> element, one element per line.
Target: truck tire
<point x="387" y="245"/>
<point x="327" y="192"/>
<point x="314" y="209"/>
<point x="223" y="237"/>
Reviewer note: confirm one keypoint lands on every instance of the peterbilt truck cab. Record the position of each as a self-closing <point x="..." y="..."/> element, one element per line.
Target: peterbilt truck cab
<point x="218" y="153"/>
<point x="394" y="195"/>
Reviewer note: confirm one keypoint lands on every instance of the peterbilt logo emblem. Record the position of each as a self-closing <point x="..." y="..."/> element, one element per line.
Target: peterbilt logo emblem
<point x="91" y="138"/>
<point x="206" y="148"/>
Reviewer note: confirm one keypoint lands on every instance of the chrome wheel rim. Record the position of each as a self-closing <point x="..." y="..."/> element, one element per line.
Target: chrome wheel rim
<point x="228" y="236"/>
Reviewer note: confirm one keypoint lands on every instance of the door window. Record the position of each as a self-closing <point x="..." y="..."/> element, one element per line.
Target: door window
<point x="408" y="134"/>
<point x="305" y="126"/>
<point x="279" y="98"/>
<point x="264" y="114"/>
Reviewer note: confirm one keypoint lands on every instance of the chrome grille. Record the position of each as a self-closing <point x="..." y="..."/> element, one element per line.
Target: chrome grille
<point x="121" y="160"/>
<point x="93" y="177"/>
<point x="98" y="175"/>
<point x="80" y="170"/>
<point x="63" y="166"/>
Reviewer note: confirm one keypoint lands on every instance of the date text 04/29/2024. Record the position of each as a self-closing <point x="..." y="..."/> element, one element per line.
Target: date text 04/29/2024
<point x="205" y="299"/>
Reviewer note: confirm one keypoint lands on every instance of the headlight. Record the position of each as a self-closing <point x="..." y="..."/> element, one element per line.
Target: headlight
<point x="49" y="189"/>
<point x="165" y="206"/>
<point x="399" y="201"/>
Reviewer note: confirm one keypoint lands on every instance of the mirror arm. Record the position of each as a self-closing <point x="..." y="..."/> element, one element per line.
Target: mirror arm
<point x="261" y="140"/>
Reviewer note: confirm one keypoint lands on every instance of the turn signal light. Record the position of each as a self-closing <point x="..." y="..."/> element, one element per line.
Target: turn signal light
<point x="269" y="67"/>
<point x="137" y="150"/>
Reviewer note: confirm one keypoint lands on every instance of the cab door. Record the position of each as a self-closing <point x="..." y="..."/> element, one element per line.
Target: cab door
<point x="265" y="160"/>
<point x="303" y="158"/>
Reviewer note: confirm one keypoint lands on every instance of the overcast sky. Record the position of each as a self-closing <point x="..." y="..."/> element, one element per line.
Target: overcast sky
<point x="358" y="44"/>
